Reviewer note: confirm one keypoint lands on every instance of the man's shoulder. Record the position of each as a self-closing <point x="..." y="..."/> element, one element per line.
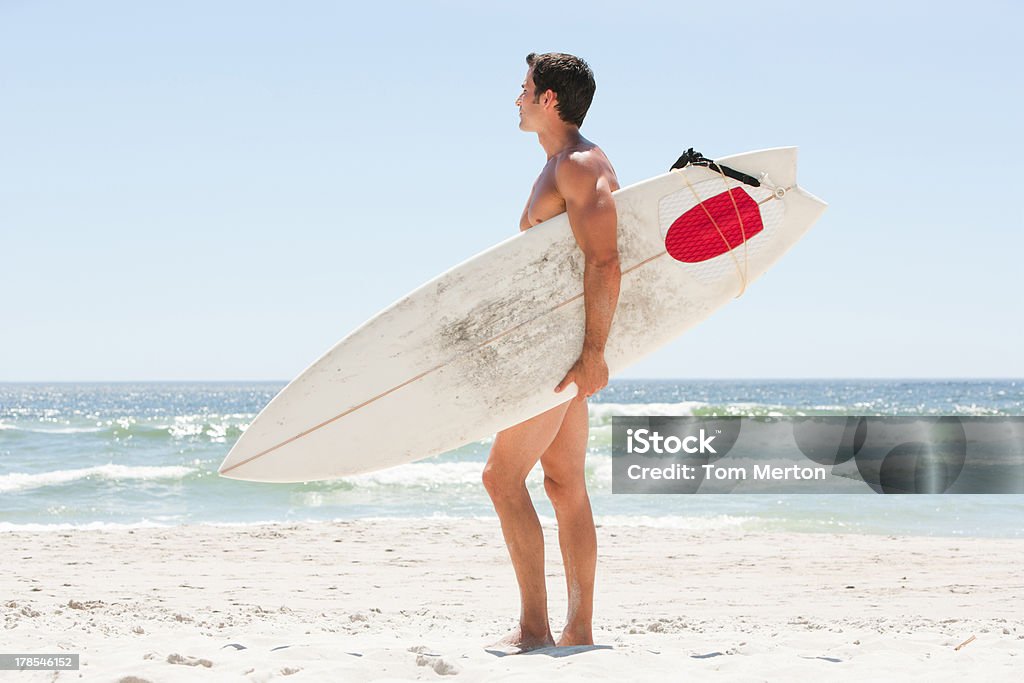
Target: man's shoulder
<point x="579" y="172"/>
<point x="581" y="158"/>
<point x="580" y="164"/>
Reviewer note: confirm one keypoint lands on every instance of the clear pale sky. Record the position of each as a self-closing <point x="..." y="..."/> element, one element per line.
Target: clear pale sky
<point x="222" y="190"/>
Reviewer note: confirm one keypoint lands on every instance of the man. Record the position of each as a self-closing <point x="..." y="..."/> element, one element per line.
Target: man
<point x="578" y="179"/>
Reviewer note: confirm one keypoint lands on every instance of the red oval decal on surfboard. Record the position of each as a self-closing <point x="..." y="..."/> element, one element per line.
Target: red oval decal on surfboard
<point x="693" y="238"/>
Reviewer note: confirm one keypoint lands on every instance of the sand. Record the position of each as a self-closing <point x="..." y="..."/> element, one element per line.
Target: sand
<point x="419" y="599"/>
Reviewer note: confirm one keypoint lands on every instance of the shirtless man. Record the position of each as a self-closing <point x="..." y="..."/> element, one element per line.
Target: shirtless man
<point x="578" y="179"/>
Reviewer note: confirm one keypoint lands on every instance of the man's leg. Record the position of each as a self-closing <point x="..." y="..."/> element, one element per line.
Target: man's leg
<point x="565" y="483"/>
<point x="514" y="453"/>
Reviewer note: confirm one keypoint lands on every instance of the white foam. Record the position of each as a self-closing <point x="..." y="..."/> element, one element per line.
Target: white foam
<point x="426" y="474"/>
<point x="87" y="526"/>
<point x="975" y="410"/>
<point x="56" y="430"/>
<point x="205" y="425"/>
<point x="690" y="523"/>
<point x="19" y="481"/>
<point x="605" y="411"/>
<point x="715" y="523"/>
<point x="432" y="474"/>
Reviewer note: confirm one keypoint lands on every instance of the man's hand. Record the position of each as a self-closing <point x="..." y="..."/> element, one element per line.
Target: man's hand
<point x="589" y="372"/>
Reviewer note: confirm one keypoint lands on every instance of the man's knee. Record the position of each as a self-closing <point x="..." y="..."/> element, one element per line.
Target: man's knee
<point x="563" y="493"/>
<point x="500" y="483"/>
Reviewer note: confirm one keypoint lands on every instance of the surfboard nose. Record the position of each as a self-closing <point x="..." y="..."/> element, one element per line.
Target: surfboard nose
<point x="232" y="461"/>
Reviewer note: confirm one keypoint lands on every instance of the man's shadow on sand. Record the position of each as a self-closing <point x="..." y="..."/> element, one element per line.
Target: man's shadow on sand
<point x="553" y="651"/>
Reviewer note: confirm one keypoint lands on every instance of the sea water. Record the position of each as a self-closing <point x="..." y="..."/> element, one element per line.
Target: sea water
<point x="146" y="454"/>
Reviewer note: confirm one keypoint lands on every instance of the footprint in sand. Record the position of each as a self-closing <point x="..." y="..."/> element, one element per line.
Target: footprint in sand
<point x="440" y="665"/>
<point x="424" y="657"/>
<point x="175" y="658"/>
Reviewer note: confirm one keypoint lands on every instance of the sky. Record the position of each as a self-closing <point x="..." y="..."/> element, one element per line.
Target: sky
<point x="221" y="191"/>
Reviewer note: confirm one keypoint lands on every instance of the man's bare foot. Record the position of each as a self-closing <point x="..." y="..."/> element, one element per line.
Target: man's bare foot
<point x="519" y="641"/>
<point x="574" y="637"/>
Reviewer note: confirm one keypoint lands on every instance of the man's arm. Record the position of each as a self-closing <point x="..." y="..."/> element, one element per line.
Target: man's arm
<point x="594" y="222"/>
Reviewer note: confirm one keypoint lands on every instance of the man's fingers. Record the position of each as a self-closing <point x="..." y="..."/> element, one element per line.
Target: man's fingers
<point x="564" y="383"/>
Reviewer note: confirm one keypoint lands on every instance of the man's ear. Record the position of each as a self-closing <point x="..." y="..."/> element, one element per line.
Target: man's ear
<point x="550" y="97"/>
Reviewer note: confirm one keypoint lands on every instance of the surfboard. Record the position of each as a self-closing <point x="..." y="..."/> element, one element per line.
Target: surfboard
<point x="481" y="347"/>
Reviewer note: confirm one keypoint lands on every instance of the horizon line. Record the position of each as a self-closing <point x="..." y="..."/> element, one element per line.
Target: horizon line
<point x="616" y="379"/>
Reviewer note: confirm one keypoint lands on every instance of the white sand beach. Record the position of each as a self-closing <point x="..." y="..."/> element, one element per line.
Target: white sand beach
<point x="419" y="599"/>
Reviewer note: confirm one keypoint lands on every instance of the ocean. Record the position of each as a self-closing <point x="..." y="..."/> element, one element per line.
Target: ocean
<point x="97" y="455"/>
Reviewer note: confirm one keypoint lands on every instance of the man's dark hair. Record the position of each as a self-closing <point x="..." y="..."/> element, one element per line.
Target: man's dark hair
<point x="569" y="77"/>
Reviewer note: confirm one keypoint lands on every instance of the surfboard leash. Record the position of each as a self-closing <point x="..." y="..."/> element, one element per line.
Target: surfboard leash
<point x="694" y="158"/>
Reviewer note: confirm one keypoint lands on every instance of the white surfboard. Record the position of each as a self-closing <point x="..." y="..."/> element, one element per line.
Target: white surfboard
<point x="482" y="346"/>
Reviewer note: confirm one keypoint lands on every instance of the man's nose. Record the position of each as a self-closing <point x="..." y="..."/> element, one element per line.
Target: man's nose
<point x="519" y="100"/>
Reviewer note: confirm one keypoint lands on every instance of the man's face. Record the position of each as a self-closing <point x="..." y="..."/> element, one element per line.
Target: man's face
<point x="529" y="111"/>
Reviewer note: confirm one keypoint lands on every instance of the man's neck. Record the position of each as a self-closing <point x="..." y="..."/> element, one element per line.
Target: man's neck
<point x="559" y="139"/>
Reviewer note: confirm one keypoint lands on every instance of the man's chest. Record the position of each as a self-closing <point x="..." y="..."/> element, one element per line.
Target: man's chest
<point x="544" y="201"/>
